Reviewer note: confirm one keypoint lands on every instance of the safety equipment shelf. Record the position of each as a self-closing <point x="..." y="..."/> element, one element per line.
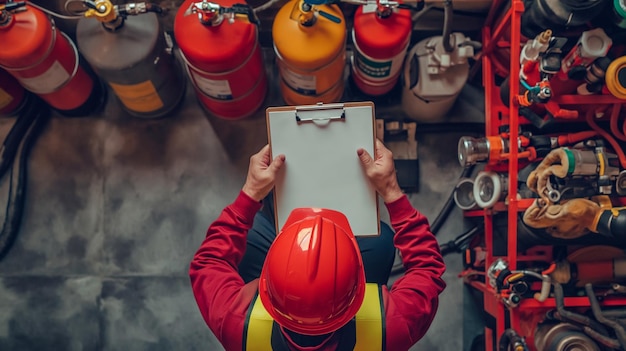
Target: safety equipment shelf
<point x="502" y="33"/>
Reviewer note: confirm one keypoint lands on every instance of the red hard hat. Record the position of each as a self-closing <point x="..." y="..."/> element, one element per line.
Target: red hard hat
<point x="313" y="280"/>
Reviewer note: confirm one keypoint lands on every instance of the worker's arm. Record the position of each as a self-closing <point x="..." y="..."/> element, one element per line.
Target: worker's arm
<point x="220" y="292"/>
<point x="414" y="297"/>
<point x="411" y="304"/>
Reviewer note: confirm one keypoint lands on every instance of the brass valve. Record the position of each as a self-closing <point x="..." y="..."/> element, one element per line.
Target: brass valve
<point x="102" y="10"/>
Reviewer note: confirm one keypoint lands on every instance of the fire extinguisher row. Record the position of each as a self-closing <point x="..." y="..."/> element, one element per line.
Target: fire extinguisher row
<point x="309" y="39"/>
<point x="125" y="47"/>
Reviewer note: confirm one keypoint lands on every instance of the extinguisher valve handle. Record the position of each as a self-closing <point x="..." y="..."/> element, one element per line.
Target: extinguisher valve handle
<point x="12" y="6"/>
<point x="241" y="9"/>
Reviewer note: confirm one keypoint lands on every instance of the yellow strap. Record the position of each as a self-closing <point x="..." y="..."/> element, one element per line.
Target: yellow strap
<point x="259" y="328"/>
<point x="369" y="324"/>
<point x="369" y="318"/>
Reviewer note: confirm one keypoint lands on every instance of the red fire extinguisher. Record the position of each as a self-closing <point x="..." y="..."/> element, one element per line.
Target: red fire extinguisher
<point x="381" y="35"/>
<point x="12" y="94"/>
<point x="45" y="61"/>
<point x="220" y="47"/>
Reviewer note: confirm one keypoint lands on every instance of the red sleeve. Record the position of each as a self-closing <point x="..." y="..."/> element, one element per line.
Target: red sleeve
<point x="220" y="293"/>
<point x="412" y="302"/>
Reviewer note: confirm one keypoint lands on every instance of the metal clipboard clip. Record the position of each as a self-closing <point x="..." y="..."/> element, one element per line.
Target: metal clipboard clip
<point x="320" y="114"/>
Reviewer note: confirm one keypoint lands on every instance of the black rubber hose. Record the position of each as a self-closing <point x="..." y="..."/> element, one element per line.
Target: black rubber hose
<point x="14" y="137"/>
<point x="510" y="337"/>
<point x="596" y="335"/>
<point x="597" y="313"/>
<point x="458" y="244"/>
<point x="441" y="217"/>
<point x="17" y="191"/>
<point x="447" y="26"/>
<point x="572" y="316"/>
<point x="449" y="205"/>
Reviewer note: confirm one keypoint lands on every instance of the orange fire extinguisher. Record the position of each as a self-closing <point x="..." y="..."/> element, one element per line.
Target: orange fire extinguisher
<point x="45" y="61"/>
<point x="220" y="46"/>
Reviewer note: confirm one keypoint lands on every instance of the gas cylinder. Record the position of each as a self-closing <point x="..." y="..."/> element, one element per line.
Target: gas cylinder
<point x="45" y="61"/>
<point x="12" y="94"/>
<point x="310" y="42"/>
<point x="381" y="36"/>
<point x="220" y="46"/>
<point x="127" y="48"/>
<point x="433" y="78"/>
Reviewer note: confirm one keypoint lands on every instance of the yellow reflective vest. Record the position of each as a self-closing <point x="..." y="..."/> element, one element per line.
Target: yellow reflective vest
<point x="369" y="320"/>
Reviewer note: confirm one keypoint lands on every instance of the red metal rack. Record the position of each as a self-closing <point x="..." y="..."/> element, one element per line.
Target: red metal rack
<point x="494" y="36"/>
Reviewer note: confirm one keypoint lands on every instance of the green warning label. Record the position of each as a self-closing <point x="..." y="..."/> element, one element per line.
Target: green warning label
<point x="374" y="69"/>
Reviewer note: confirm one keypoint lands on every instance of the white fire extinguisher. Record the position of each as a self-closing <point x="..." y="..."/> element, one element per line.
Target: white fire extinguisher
<point x="434" y="76"/>
<point x="128" y="50"/>
<point x="45" y="61"/>
<point x="219" y="43"/>
<point x="381" y="34"/>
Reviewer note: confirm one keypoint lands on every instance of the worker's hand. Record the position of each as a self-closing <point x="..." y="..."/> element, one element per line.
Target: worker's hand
<point x="381" y="172"/>
<point x="262" y="173"/>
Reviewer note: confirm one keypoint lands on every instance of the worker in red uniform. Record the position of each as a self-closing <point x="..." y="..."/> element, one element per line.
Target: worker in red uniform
<point x="312" y="292"/>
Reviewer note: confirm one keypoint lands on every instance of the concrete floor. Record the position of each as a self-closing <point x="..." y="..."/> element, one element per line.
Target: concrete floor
<point x="117" y="206"/>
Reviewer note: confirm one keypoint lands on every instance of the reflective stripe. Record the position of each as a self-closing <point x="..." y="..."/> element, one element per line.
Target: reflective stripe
<point x="369" y="329"/>
<point x="369" y="326"/>
<point x="259" y="333"/>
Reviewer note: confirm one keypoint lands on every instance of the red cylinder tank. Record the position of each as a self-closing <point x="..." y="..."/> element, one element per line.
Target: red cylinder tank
<point x="381" y="37"/>
<point x="46" y="62"/>
<point x="223" y="59"/>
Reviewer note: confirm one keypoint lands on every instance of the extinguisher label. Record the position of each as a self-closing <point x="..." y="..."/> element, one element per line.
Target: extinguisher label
<point x="141" y="97"/>
<point x="49" y="81"/>
<point x="303" y="84"/>
<point x="378" y="69"/>
<point x="217" y="89"/>
<point x="5" y="99"/>
<point x="370" y="7"/>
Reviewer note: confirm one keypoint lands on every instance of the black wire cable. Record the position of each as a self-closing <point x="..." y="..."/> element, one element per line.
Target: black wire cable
<point x="449" y="205"/>
<point x="447" y="26"/>
<point x="441" y="217"/>
<point x="459" y="244"/>
<point x="17" y="186"/>
<point x="12" y="140"/>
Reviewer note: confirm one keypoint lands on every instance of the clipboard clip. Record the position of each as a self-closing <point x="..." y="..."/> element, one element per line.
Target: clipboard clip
<point x="320" y="114"/>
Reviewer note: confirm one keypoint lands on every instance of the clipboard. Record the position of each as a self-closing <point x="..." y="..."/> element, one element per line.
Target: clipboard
<point x="322" y="168"/>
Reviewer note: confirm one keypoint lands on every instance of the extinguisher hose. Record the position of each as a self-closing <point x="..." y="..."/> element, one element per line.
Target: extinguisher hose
<point x="150" y="7"/>
<point x="17" y="179"/>
<point x="447" y="26"/>
<point x="12" y="140"/>
<point x="511" y="338"/>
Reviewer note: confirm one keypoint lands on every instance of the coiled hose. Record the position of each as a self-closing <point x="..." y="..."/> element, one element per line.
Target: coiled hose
<point x="14" y="161"/>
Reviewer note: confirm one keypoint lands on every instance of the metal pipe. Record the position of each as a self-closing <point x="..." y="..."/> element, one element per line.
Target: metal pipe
<point x="592" y="333"/>
<point x="572" y="316"/>
<point x="597" y="313"/>
<point x="602" y="339"/>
